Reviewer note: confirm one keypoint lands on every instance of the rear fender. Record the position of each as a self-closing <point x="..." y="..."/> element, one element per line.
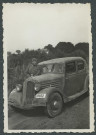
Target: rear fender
<point x="86" y="84"/>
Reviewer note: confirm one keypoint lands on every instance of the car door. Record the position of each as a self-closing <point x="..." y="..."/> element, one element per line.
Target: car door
<point x="81" y="74"/>
<point x="71" y="81"/>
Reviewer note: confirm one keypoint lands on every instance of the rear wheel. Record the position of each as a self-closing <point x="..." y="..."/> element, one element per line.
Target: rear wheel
<point x="54" y="104"/>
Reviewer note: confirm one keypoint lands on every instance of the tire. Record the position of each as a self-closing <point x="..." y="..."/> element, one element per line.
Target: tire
<point x="54" y="105"/>
<point x="88" y="91"/>
<point x="87" y="86"/>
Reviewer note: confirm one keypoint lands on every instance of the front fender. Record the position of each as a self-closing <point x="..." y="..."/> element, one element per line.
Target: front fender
<point x="15" y="98"/>
<point x="42" y="96"/>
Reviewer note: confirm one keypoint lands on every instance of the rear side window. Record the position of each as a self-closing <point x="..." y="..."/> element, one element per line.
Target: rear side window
<point x="70" y="67"/>
<point x="80" y="65"/>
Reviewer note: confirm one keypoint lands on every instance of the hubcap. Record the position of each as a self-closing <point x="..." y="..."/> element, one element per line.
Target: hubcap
<point x="55" y="103"/>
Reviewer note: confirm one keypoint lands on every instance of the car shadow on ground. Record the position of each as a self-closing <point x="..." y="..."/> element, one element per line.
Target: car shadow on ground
<point x="40" y="112"/>
<point x="75" y="101"/>
<point x="34" y="112"/>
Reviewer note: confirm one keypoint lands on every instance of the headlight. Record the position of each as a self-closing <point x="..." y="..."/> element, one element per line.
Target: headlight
<point x="18" y="87"/>
<point x="37" y="87"/>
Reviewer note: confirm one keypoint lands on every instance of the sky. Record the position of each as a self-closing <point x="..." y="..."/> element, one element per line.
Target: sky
<point x="34" y="26"/>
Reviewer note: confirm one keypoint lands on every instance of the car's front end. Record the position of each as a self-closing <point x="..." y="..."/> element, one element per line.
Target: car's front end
<point x="35" y="91"/>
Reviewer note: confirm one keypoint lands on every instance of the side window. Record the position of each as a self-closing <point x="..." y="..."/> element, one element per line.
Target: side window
<point x="57" y="68"/>
<point x="70" y="67"/>
<point x="80" y="65"/>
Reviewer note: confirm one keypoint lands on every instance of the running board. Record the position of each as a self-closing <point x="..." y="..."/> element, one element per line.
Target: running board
<point x="74" y="96"/>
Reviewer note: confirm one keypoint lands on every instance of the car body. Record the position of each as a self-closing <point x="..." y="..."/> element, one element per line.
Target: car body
<point x="61" y="80"/>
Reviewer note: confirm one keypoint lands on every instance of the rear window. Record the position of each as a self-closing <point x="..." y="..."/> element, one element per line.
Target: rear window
<point x="70" y="67"/>
<point x="80" y="65"/>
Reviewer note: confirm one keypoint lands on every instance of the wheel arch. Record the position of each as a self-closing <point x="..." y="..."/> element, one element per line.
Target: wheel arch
<point x="86" y="83"/>
<point x="49" y="91"/>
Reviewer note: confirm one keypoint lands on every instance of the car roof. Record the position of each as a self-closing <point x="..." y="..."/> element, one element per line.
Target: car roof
<point x="60" y="60"/>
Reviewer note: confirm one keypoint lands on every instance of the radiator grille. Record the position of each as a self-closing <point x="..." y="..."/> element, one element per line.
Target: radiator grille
<point x="30" y="92"/>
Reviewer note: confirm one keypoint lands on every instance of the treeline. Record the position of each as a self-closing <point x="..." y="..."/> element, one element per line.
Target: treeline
<point x="62" y="49"/>
<point x="18" y="61"/>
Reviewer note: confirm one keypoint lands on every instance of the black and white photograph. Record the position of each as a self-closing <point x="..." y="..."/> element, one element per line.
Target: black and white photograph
<point x="48" y="79"/>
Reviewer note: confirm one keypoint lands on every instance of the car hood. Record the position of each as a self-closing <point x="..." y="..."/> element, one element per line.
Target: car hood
<point x="46" y="77"/>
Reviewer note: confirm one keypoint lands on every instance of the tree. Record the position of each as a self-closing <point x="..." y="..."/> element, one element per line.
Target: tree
<point x="49" y="47"/>
<point x="79" y="53"/>
<point x="8" y="53"/>
<point x="65" y="47"/>
<point x="18" y="52"/>
<point x="83" y="46"/>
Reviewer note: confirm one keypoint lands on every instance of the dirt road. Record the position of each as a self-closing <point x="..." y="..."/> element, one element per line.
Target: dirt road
<point x="75" y="115"/>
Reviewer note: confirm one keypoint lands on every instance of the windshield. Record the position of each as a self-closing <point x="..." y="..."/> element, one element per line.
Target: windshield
<point x="54" y="68"/>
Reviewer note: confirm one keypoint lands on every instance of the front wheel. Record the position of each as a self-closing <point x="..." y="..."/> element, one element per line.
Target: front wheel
<point x="54" y="104"/>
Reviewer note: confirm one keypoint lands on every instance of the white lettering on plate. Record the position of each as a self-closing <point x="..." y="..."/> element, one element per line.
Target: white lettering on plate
<point x="40" y="95"/>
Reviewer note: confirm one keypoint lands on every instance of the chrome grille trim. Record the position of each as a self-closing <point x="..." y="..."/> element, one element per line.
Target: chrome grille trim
<point x="30" y="92"/>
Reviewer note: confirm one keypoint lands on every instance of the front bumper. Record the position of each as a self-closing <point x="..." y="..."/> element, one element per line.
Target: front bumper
<point x="35" y="103"/>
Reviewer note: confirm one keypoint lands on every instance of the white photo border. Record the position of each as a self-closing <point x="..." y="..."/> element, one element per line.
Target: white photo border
<point x="5" y="93"/>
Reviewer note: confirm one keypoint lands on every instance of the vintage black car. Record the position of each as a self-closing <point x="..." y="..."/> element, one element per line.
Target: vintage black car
<point x="60" y="81"/>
